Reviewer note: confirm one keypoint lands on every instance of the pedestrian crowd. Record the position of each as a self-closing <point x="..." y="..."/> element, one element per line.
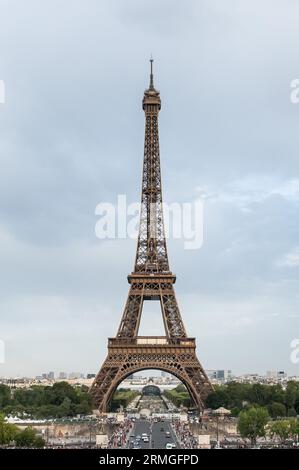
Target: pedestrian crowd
<point x="184" y="435"/>
<point x="120" y="434"/>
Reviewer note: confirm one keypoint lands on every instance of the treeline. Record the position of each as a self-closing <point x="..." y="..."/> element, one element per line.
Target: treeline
<point x="10" y="434"/>
<point x="179" y="396"/>
<point x="236" y="396"/>
<point x="45" y="402"/>
<point x="122" y="398"/>
<point x="254" y="422"/>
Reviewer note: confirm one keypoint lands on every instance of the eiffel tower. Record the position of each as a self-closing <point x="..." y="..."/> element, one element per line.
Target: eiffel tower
<point x="151" y="280"/>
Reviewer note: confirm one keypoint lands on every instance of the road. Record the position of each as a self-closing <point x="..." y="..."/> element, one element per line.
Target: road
<point x="155" y="404"/>
<point x="156" y="433"/>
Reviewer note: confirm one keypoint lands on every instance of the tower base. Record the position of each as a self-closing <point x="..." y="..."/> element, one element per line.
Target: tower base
<point x="129" y="355"/>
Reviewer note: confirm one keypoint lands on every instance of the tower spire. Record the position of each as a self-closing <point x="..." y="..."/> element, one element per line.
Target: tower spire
<point x="151" y="75"/>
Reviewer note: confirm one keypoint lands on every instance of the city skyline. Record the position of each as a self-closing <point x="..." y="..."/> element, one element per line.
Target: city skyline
<point x="68" y="375"/>
<point x="72" y="137"/>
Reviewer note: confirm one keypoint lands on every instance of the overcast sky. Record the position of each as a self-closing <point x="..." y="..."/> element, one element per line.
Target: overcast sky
<point x="71" y="136"/>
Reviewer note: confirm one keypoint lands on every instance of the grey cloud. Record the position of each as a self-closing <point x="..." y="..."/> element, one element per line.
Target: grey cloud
<point x="71" y="136"/>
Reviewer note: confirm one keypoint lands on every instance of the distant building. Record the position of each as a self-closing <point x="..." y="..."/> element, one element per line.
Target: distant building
<point x="251" y="377"/>
<point x="276" y="374"/>
<point x="47" y="376"/>
<point x="220" y="374"/>
<point x="76" y="375"/>
<point x="90" y="376"/>
<point x="62" y="375"/>
<point x="73" y="375"/>
<point x="281" y="374"/>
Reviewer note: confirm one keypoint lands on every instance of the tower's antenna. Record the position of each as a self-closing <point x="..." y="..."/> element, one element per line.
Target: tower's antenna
<point x="151" y="75"/>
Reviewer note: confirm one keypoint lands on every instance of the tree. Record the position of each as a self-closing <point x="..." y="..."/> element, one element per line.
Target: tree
<point x="180" y="388"/>
<point x="39" y="442"/>
<point x="281" y="429"/>
<point x="178" y="396"/>
<point x="82" y="409"/>
<point x="277" y="410"/>
<point x="28" y="438"/>
<point x="46" y="402"/>
<point x="252" y="423"/>
<point x="56" y="394"/>
<point x="5" y="395"/>
<point x="217" y="398"/>
<point x="291" y="395"/>
<point x="294" y="429"/>
<point x="237" y="393"/>
<point x="292" y="412"/>
<point x="260" y="394"/>
<point x="65" y="407"/>
<point x="277" y="393"/>
<point x="122" y="398"/>
<point x="235" y="412"/>
<point x="8" y="431"/>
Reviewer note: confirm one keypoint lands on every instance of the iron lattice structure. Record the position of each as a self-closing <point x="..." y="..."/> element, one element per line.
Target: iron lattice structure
<point x="151" y="280"/>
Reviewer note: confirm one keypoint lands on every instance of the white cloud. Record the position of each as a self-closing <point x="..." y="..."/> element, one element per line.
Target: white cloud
<point x="290" y="260"/>
<point x="252" y="189"/>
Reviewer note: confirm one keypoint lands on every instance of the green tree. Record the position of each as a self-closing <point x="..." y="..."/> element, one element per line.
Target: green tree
<point x="235" y="412"/>
<point x="281" y="429"/>
<point x="39" y="442"/>
<point x="65" y="407"/>
<point x="179" y="396"/>
<point x="28" y="438"/>
<point x="260" y="394"/>
<point x="294" y="429"/>
<point x="59" y="391"/>
<point x="46" y="402"/>
<point x="277" y="393"/>
<point x="252" y="423"/>
<point x="83" y="408"/>
<point x="180" y="388"/>
<point x="292" y="412"/>
<point x="5" y="396"/>
<point x="122" y="398"/>
<point x="277" y="410"/>
<point x="237" y="393"/>
<point x="217" y="398"/>
<point x="8" y="431"/>
<point x="291" y="395"/>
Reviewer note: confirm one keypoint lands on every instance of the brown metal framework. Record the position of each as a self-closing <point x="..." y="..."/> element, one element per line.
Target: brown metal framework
<point x="151" y="280"/>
